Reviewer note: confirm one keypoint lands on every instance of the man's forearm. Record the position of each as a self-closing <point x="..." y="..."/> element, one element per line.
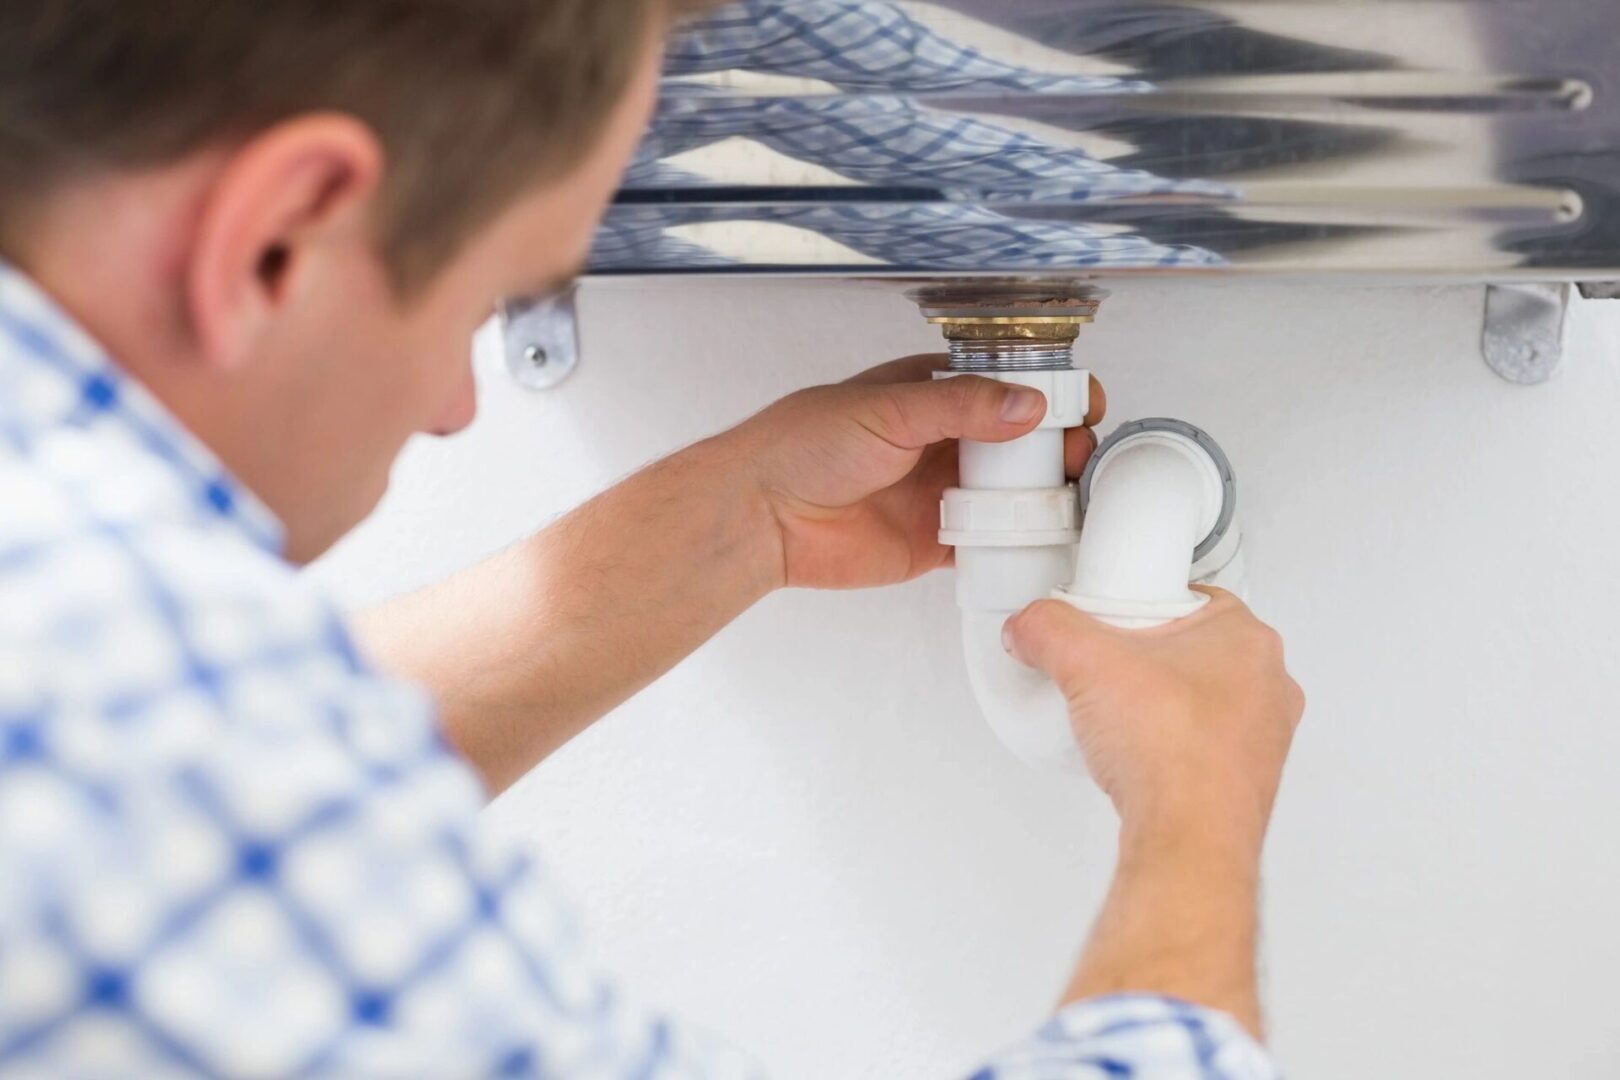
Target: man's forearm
<point x="528" y="648"/>
<point x="1180" y="920"/>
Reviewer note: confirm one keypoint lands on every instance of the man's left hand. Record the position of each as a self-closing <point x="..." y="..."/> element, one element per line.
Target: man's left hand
<point x="853" y="473"/>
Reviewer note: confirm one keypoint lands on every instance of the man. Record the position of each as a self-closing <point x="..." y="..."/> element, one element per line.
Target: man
<point x="246" y="245"/>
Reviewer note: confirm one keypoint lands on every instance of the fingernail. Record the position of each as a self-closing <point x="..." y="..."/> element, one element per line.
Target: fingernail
<point x="1021" y="406"/>
<point x="1007" y="639"/>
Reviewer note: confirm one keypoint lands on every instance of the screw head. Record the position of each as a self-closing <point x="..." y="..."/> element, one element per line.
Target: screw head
<point x="541" y="342"/>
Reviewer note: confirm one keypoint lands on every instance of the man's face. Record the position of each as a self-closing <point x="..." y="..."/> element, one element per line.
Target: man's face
<point x="375" y="372"/>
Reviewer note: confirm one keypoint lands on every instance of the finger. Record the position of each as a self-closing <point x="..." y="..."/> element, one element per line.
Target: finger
<point x="1219" y="597"/>
<point x="1222" y="604"/>
<point x="1098" y="403"/>
<point x="1051" y="635"/>
<point x="906" y="369"/>
<point x="1079" y="444"/>
<point x="918" y="414"/>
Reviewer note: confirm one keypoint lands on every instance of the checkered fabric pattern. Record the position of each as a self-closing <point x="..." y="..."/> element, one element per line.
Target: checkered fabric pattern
<point x="229" y="848"/>
<point x="860" y="45"/>
<point x="921" y="238"/>
<point x="938" y="185"/>
<point x="1135" y="1037"/>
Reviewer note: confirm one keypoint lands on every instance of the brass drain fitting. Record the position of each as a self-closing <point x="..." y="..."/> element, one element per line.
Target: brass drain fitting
<point x="1008" y="330"/>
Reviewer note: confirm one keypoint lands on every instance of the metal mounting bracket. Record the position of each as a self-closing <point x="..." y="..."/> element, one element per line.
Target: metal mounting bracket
<point x="541" y="339"/>
<point x="1524" y="331"/>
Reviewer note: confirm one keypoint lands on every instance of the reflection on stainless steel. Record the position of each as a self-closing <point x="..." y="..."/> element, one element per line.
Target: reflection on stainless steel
<point x="1454" y="139"/>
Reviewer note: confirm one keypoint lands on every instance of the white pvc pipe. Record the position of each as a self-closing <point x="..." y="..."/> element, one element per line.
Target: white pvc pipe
<point x="1023" y="707"/>
<point x="1034" y="461"/>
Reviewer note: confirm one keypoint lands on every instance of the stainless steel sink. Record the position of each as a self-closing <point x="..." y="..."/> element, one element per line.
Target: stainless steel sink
<point x="1450" y="139"/>
<point x="1382" y="140"/>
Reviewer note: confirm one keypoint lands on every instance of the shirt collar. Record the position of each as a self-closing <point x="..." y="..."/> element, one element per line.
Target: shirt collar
<point x="40" y="335"/>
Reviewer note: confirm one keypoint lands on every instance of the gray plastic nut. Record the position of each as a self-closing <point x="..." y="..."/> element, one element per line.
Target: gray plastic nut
<point x="1186" y="430"/>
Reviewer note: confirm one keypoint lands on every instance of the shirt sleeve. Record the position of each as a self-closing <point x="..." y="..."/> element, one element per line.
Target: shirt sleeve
<point x="1135" y="1037"/>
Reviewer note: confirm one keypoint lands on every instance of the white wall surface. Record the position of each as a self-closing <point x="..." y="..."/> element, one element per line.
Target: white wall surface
<point x="806" y="838"/>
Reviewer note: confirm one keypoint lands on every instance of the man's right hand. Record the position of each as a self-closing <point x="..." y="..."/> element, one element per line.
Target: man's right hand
<point x="1185" y="725"/>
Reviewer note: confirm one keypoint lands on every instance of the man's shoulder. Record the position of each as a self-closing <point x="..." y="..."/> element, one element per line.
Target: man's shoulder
<point x="132" y="614"/>
<point x="130" y="601"/>
<point x="158" y="673"/>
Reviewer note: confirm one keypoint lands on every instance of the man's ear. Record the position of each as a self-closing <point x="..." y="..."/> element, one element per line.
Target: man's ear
<point x="292" y="195"/>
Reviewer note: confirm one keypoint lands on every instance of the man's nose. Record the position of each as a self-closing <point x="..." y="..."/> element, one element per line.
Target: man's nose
<point x="462" y="408"/>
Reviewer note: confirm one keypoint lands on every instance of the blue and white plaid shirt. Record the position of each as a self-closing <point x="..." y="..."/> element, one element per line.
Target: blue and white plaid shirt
<point x="229" y="847"/>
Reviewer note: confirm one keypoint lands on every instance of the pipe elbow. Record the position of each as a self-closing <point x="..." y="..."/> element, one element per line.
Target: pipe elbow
<point x="1023" y="707"/>
<point x="1157" y="496"/>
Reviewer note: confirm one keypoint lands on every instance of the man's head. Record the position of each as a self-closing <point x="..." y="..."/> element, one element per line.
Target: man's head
<point x="287" y="217"/>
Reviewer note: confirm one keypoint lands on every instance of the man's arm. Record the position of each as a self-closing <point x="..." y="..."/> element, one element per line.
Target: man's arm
<point x="524" y="650"/>
<point x="834" y="487"/>
<point x="1180" y="920"/>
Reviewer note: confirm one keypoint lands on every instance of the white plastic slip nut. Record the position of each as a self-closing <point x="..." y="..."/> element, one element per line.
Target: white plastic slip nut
<point x="1040" y="517"/>
<point x="1068" y="393"/>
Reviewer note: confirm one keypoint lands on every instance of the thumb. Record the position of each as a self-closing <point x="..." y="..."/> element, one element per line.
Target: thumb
<point x="1053" y="637"/>
<point x="918" y="414"/>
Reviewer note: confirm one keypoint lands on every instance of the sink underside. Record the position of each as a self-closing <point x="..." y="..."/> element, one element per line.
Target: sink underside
<point x="1439" y="139"/>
